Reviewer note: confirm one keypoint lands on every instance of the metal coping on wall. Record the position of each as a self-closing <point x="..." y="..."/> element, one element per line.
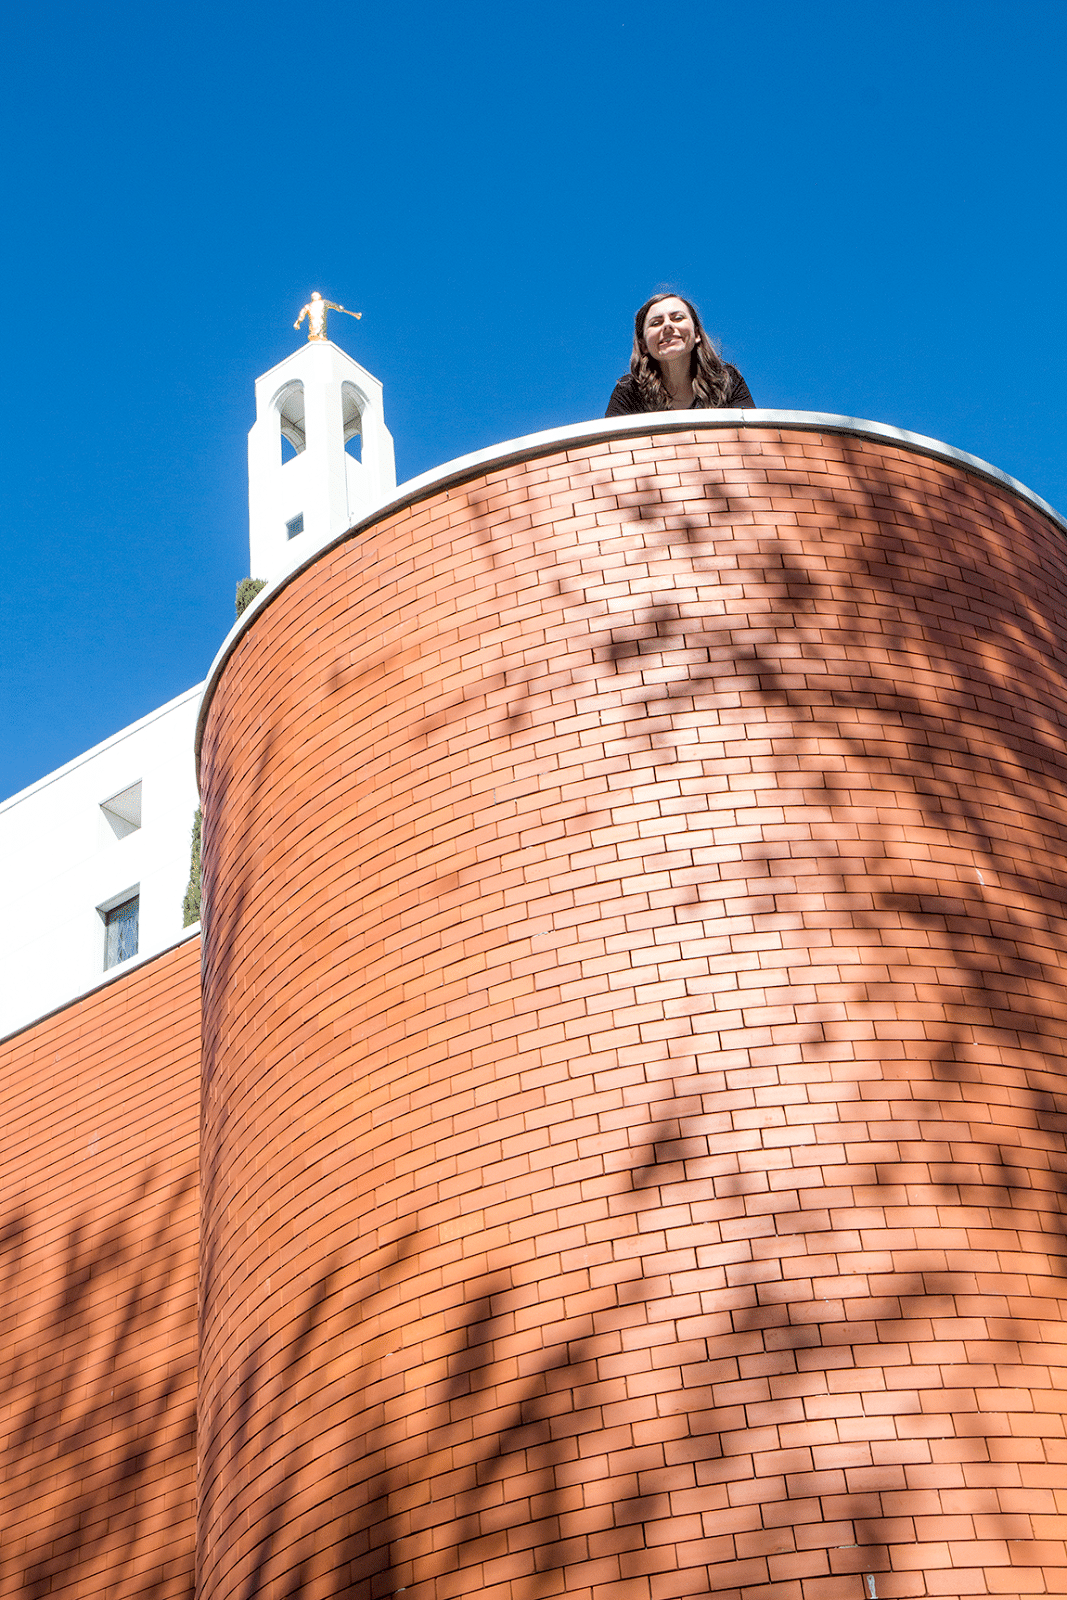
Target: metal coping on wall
<point x="124" y="969"/>
<point x="552" y="440"/>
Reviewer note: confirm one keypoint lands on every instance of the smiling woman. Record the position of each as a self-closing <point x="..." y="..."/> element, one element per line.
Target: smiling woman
<point x="674" y="366"/>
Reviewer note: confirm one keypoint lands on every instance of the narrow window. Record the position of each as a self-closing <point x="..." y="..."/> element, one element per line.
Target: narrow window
<point x="352" y="421"/>
<point x="120" y="932"/>
<point x="295" y="526"/>
<point x="290" y="405"/>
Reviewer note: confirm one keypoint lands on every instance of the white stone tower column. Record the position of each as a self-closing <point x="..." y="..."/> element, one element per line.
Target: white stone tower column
<point x="317" y="400"/>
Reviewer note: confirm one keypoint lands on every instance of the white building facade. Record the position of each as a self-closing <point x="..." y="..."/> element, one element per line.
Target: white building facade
<point x="100" y="849"/>
<point x="98" y="857"/>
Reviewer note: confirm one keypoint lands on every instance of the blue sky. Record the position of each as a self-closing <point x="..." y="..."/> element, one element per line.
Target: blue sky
<point x="866" y="202"/>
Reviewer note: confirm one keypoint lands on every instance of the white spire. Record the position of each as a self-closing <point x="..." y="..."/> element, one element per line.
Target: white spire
<point x="304" y="485"/>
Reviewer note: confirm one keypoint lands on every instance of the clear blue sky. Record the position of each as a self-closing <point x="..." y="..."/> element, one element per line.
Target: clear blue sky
<point x="867" y="202"/>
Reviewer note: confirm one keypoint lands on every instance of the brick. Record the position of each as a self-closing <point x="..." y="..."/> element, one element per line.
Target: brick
<point x="98" y="1183"/>
<point x="645" y="954"/>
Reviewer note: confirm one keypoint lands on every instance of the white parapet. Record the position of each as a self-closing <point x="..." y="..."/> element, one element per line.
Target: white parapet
<point x="319" y="456"/>
<point x="111" y="827"/>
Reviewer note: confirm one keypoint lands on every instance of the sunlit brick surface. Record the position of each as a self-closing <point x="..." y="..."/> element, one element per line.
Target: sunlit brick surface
<point x="98" y="1255"/>
<point x="634" y="1148"/>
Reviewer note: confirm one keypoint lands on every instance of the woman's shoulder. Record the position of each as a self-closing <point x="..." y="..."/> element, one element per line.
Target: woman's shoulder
<point x="625" y="398"/>
<point x="737" y="393"/>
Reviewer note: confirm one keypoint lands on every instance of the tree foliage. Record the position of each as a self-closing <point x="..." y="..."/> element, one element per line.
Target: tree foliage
<point x="191" y="903"/>
<point x="247" y="590"/>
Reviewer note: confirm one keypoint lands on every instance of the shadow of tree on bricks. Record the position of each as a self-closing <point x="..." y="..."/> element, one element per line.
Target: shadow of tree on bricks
<point x="98" y="1449"/>
<point x="817" y="1284"/>
<point x="945" y="1015"/>
<point x="367" y="1459"/>
<point x="832" y="1227"/>
<point x="942" y="1015"/>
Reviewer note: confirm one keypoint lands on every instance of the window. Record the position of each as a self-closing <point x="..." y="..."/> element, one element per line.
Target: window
<point x="352" y="421"/>
<point x="120" y="931"/>
<point x="290" y="405"/>
<point x="295" y="526"/>
<point x="123" y="810"/>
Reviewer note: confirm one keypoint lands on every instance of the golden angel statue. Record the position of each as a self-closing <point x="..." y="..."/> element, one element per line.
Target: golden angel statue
<point x="316" y="310"/>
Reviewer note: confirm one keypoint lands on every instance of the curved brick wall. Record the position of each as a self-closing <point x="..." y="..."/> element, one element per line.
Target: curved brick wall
<point x="633" y="1141"/>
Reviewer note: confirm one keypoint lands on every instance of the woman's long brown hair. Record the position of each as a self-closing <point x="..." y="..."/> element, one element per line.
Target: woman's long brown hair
<point x="710" y="379"/>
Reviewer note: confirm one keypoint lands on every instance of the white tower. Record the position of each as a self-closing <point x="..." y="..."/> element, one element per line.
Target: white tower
<point x="319" y="456"/>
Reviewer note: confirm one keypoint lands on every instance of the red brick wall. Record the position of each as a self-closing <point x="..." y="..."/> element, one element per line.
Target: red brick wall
<point x="634" y="1156"/>
<point x="98" y="1253"/>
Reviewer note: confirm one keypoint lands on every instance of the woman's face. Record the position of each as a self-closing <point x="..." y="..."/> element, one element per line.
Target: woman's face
<point x="669" y="331"/>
